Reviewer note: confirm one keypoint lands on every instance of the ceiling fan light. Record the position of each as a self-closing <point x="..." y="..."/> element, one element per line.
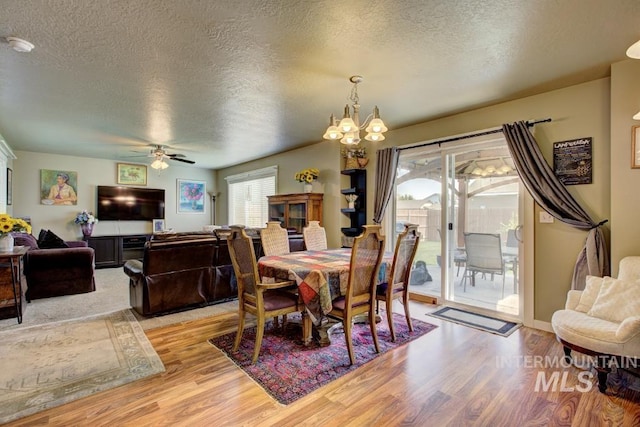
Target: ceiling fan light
<point x="158" y="163"/>
<point x="634" y="50"/>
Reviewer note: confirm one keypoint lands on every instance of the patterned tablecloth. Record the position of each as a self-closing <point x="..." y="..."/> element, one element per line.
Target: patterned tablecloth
<point x="321" y="275"/>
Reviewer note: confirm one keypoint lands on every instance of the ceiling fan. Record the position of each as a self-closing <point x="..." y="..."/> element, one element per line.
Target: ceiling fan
<point x="160" y="154"/>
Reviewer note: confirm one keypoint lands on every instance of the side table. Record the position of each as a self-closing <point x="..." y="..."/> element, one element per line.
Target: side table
<point x="11" y="280"/>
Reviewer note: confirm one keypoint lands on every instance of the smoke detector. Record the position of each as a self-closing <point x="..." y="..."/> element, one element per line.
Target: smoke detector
<point x="20" y="45"/>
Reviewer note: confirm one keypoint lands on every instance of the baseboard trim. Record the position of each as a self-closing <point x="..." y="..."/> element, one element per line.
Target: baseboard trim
<point x="543" y="326"/>
<point x="423" y="298"/>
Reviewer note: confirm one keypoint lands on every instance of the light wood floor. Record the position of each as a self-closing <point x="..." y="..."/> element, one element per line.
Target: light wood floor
<point x="448" y="377"/>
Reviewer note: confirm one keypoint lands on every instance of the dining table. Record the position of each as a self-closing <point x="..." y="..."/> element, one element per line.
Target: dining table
<point x="321" y="277"/>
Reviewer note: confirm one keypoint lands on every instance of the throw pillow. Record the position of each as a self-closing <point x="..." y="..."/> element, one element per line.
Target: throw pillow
<point x="590" y="293"/>
<point x="25" y="239"/>
<point x="49" y="240"/>
<point x="617" y="300"/>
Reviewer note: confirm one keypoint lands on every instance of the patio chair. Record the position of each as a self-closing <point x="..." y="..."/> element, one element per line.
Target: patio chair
<point x="484" y="255"/>
<point x="366" y="257"/>
<point x="315" y="237"/>
<point x="275" y="239"/>
<point x="263" y="300"/>
<point x="398" y="286"/>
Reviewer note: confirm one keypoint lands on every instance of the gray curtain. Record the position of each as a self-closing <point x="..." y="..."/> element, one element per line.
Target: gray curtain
<point x="386" y="167"/>
<point x="553" y="197"/>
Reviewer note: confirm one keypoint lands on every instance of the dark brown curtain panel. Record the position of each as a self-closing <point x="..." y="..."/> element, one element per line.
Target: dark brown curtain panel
<point x="547" y="190"/>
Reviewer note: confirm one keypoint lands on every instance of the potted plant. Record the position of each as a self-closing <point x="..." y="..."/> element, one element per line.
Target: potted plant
<point x="361" y="156"/>
<point x="86" y="221"/>
<point x="307" y="176"/>
<point x="8" y="225"/>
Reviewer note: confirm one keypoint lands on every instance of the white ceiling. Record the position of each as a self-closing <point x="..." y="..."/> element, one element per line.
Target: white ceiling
<point x="225" y="82"/>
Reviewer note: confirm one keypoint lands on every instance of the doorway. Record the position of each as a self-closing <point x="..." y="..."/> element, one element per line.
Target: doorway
<point x="465" y="198"/>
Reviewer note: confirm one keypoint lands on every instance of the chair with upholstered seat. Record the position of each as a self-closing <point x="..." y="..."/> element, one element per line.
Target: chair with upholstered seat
<point x="315" y="237"/>
<point x="275" y="239"/>
<point x="366" y="256"/>
<point x="263" y="300"/>
<point x="398" y="286"/>
<point x="603" y="320"/>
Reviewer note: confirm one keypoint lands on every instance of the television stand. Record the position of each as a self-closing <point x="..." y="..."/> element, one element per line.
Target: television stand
<point x="114" y="251"/>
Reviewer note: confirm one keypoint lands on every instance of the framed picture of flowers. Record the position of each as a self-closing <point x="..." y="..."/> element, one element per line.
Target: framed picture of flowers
<point x="191" y="196"/>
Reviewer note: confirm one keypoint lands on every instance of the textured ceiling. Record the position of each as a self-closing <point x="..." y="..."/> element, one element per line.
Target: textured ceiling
<point x="228" y="81"/>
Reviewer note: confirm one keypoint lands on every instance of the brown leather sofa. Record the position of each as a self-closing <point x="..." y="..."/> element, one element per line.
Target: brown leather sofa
<point x="186" y="270"/>
<point x="174" y="274"/>
<point x="57" y="271"/>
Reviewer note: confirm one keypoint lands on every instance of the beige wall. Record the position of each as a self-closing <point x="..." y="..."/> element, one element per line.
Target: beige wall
<point x="91" y="173"/>
<point x="625" y="197"/>
<point x="577" y="111"/>
<point x="323" y="156"/>
<point x="600" y="109"/>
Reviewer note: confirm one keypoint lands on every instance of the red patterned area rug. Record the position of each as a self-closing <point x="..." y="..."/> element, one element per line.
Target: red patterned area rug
<point x="288" y="370"/>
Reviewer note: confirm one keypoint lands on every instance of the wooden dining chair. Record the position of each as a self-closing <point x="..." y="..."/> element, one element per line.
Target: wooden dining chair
<point x="315" y="237"/>
<point x="263" y="300"/>
<point x="366" y="257"/>
<point x="397" y="288"/>
<point x="275" y="239"/>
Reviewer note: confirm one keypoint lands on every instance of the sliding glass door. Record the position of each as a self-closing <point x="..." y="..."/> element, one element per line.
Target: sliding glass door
<point x="465" y="199"/>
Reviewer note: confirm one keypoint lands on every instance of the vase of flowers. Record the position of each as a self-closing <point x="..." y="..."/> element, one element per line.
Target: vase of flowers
<point x="9" y="225"/>
<point x="307" y="176"/>
<point x="86" y="220"/>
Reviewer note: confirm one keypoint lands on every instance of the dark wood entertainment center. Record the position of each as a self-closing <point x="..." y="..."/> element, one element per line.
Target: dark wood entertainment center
<point x="114" y="251"/>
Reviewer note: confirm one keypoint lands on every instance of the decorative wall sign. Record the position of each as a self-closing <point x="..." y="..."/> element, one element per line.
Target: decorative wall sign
<point x="573" y="161"/>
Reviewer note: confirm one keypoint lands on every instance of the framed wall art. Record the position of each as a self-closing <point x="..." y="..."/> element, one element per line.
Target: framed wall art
<point x="191" y="196"/>
<point x="58" y="187"/>
<point x="132" y="174"/>
<point x="635" y="147"/>
<point x="9" y="186"/>
<point x="158" y="226"/>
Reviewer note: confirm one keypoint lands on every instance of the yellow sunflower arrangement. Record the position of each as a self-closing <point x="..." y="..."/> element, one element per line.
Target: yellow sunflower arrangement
<point x="8" y="224"/>
<point x="307" y="175"/>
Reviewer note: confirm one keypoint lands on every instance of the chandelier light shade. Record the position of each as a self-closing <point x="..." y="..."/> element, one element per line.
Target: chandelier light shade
<point x="348" y="130"/>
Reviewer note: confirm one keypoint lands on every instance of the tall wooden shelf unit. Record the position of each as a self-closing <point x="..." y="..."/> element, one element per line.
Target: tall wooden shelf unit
<point x="294" y="211"/>
<point x="357" y="215"/>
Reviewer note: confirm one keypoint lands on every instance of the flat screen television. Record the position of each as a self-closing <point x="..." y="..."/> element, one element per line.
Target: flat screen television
<point x="129" y="203"/>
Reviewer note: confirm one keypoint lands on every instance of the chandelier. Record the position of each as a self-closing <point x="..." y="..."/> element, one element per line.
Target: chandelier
<point x="348" y="130"/>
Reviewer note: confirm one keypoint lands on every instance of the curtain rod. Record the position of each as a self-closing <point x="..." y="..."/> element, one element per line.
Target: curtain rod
<point x="471" y="135"/>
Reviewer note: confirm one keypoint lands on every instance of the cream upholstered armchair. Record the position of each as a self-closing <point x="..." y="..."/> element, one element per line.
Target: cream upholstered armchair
<point x="603" y="320"/>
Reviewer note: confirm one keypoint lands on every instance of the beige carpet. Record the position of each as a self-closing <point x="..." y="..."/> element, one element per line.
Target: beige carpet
<point x="56" y="363"/>
<point x="111" y="294"/>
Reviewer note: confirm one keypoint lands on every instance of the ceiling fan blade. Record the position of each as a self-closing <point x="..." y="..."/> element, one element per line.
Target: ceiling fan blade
<point x="191" y="162"/>
<point x="176" y="155"/>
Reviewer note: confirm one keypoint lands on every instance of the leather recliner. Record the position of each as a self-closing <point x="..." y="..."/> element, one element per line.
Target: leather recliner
<point x="174" y="274"/>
